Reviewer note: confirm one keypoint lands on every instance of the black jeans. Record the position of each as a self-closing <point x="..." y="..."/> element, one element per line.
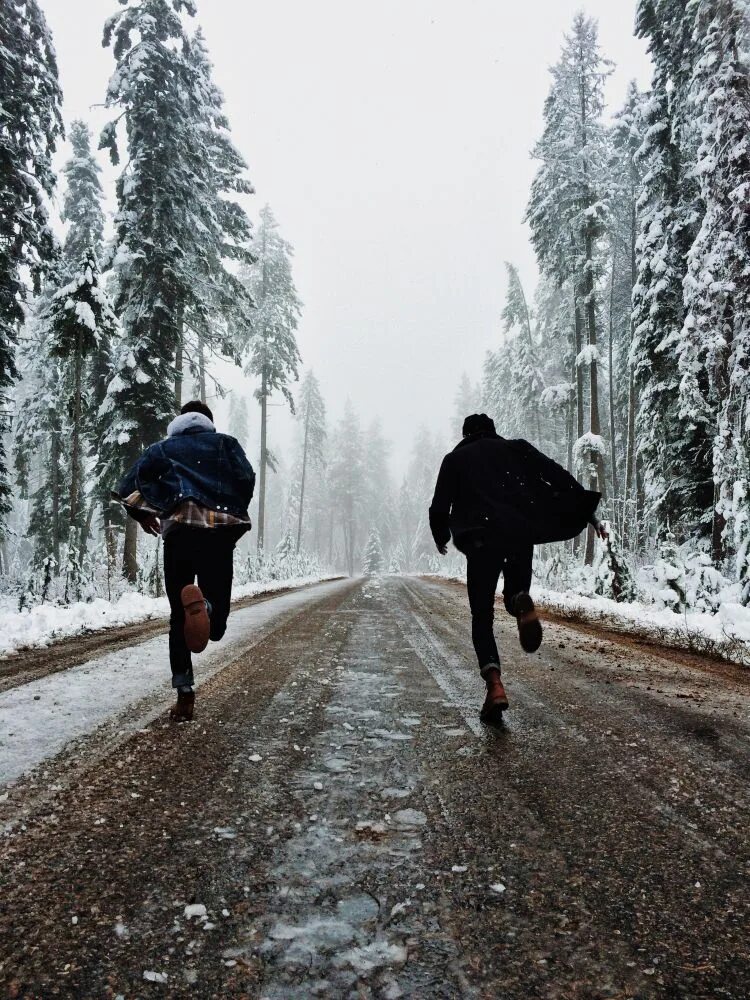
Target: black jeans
<point x="205" y="553"/>
<point x="485" y="561"/>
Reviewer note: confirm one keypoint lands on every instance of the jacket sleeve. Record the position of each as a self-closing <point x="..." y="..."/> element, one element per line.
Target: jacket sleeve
<point x="442" y="501"/>
<point x="129" y="484"/>
<point x="552" y="473"/>
<point x="242" y="469"/>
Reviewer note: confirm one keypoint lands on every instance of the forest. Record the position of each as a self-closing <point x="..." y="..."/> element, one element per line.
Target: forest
<point x="628" y="362"/>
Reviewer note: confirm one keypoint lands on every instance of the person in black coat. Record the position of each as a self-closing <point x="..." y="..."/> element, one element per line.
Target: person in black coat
<point x="496" y="499"/>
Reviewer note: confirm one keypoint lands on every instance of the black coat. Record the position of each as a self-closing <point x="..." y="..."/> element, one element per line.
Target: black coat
<point x="509" y="490"/>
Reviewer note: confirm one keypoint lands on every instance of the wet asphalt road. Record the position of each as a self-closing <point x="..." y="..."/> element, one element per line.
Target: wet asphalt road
<point x="337" y="823"/>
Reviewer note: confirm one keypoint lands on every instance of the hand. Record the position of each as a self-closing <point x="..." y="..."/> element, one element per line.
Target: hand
<point x="150" y="525"/>
<point x="443" y="550"/>
<point x="602" y="531"/>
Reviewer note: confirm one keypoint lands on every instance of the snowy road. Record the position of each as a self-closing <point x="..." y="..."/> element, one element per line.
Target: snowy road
<point x="336" y="823"/>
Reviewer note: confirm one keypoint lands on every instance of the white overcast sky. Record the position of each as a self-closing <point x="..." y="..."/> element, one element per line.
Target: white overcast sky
<point x="392" y="141"/>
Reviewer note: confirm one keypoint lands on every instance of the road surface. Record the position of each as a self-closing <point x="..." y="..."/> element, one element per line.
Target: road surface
<point x="337" y="823"/>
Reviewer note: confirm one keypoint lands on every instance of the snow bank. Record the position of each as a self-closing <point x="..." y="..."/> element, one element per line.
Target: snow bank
<point x="47" y="623"/>
<point x="725" y="633"/>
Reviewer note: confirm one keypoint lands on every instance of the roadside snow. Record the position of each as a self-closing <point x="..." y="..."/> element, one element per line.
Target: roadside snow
<point x="725" y="633"/>
<point x="47" y="623"/>
<point x="38" y="719"/>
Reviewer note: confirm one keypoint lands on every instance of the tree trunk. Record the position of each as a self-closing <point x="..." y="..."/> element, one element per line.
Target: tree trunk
<point x="75" y="460"/>
<point x="201" y="369"/>
<point x="610" y="356"/>
<point x="596" y="460"/>
<point x="130" y="551"/>
<point x="304" y="474"/>
<point x="178" y="370"/>
<point x="263" y="462"/>
<point x="54" y="457"/>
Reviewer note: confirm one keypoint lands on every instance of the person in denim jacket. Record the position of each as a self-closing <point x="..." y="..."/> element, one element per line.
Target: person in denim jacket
<point x="194" y="489"/>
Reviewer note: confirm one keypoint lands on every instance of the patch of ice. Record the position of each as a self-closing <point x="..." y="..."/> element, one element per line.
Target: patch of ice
<point x="193" y="910"/>
<point x="373" y="956"/>
<point x="410" y="817"/>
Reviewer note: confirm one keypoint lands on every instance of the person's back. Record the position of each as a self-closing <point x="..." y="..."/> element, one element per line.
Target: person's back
<point x="193" y="488"/>
<point x="496" y="499"/>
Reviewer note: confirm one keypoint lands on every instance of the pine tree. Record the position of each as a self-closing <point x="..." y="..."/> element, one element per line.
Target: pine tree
<point x="42" y="436"/>
<point x="525" y="372"/>
<point x="346" y="482"/>
<point x="80" y="320"/>
<point x="566" y="212"/>
<point x="223" y="303"/>
<point x="714" y="347"/>
<point x="155" y="226"/>
<point x="29" y="130"/>
<point x="468" y="400"/>
<point x="373" y="558"/>
<point x="272" y="345"/>
<point x="675" y="454"/>
<point x="176" y="227"/>
<point x="311" y="414"/>
<point x="625" y="180"/>
<point x="82" y="204"/>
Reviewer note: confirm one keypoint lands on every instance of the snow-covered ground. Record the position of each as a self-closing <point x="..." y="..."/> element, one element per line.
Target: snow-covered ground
<point x="38" y="719"/>
<point x="725" y="633"/>
<point x="46" y="623"/>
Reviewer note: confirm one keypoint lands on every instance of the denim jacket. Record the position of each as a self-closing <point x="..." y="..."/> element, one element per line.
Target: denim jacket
<point x="193" y="462"/>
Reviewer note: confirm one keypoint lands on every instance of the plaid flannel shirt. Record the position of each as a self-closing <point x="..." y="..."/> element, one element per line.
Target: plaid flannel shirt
<point x="188" y="513"/>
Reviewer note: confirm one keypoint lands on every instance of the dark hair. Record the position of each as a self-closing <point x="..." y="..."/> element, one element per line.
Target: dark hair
<point x="196" y="406"/>
<point x="478" y="423"/>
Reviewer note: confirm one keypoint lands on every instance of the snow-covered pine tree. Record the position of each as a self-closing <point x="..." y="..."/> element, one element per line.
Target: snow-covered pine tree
<point x="566" y="211"/>
<point x="379" y="504"/>
<point x="223" y="303"/>
<point x="239" y="426"/>
<point x="41" y="437"/>
<point x="82" y="203"/>
<point x="527" y="380"/>
<point x="80" y="320"/>
<point x="625" y="176"/>
<point x="30" y="127"/>
<point x="346" y="484"/>
<point x="158" y="195"/>
<point x="373" y="558"/>
<point x="468" y="400"/>
<point x="714" y="348"/>
<point x="311" y="416"/>
<point x="271" y="337"/>
<point x="675" y="453"/>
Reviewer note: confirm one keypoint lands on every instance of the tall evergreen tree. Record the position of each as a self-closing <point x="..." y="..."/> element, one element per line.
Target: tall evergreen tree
<point x="566" y="211"/>
<point x="346" y="481"/>
<point x="272" y="343"/>
<point x="625" y="182"/>
<point x="81" y="319"/>
<point x="676" y="454"/>
<point x="176" y="224"/>
<point x="311" y="415"/>
<point x="30" y="126"/>
<point x="82" y="204"/>
<point x="714" y="347"/>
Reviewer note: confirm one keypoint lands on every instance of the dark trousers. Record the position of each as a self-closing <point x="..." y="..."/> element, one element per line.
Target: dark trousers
<point x="205" y="553"/>
<point x="485" y="561"/>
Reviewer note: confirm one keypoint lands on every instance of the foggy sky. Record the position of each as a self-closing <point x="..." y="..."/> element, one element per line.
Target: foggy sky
<point x="392" y="141"/>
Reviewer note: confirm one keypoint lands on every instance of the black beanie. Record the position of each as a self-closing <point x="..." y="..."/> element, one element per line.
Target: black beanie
<point x="478" y="423"/>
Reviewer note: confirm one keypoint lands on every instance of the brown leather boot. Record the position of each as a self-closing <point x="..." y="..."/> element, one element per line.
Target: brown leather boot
<point x="529" y="626"/>
<point x="496" y="701"/>
<point x="182" y="711"/>
<point x="197" y="623"/>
